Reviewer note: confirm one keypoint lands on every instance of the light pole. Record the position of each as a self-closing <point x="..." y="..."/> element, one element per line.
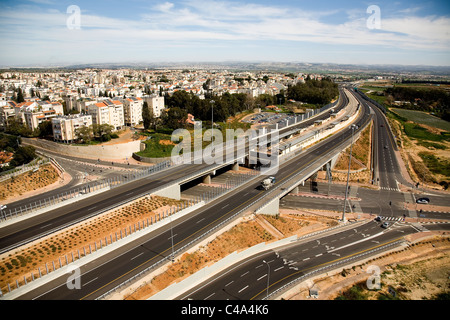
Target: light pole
<point x="212" y="114"/>
<point x="171" y="237"/>
<point x="348" y="174"/>
<point x="268" y="276"/>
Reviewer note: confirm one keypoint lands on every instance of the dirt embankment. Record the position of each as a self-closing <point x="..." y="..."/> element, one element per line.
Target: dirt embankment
<point x="28" y="181"/>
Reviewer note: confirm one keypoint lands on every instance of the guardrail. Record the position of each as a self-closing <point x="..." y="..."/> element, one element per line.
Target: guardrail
<point x="330" y="267"/>
<point x="95" y="186"/>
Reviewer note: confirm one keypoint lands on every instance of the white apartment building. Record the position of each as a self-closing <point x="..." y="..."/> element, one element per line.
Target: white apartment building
<point x="155" y="103"/>
<point x="107" y="112"/>
<point x="33" y="113"/>
<point x="64" y="127"/>
<point x="132" y="108"/>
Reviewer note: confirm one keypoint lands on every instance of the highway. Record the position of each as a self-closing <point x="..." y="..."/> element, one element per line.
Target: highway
<point x="108" y="272"/>
<point x="250" y="279"/>
<point x="386" y="168"/>
<point x="35" y="227"/>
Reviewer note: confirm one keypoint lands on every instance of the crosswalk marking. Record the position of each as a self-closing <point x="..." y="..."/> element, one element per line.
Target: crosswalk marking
<point x="390" y="189"/>
<point x="391" y="218"/>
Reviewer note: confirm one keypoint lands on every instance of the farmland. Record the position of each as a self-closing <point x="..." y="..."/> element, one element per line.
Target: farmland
<point x="422" y="118"/>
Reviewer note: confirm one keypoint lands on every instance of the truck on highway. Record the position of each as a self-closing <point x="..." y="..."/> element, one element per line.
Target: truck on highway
<point x="267" y="183"/>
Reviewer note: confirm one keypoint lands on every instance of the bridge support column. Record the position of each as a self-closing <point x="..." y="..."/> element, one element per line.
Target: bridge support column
<point x="172" y="192"/>
<point x="334" y="160"/>
<point x="235" y="167"/>
<point x="207" y="179"/>
<point x="294" y="190"/>
<point x="271" y="208"/>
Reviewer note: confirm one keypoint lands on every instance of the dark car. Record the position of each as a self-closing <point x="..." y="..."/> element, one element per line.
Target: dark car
<point x="378" y="218"/>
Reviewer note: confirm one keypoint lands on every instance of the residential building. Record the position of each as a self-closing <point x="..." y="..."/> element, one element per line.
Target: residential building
<point x="64" y="127"/>
<point x="107" y="112"/>
<point x="155" y="103"/>
<point x="132" y="108"/>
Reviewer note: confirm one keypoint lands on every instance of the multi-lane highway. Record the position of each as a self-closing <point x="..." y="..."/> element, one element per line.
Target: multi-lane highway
<point x="268" y="271"/>
<point x="110" y="270"/>
<point x="113" y="269"/>
<point x="32" y="228"/>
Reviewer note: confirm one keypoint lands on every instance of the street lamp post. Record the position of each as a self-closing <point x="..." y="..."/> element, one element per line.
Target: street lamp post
<point x="348" y="174"/>
<point x="212" y="114"/>
<point x="171" y="237"/>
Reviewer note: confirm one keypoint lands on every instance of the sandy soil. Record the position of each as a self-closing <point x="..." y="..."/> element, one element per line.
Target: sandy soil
<point x="20" y="186"/>
<point x="23" y="261"/>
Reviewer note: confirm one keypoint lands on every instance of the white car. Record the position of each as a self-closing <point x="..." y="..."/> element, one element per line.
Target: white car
<point x="2" y="207"/>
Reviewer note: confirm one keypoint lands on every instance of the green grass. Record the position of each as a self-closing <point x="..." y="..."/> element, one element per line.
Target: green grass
<point x="415" y="131"/>
<point x="435" y="164"/>
<point x="422" y="118"/>
<point x="154" y="149"/>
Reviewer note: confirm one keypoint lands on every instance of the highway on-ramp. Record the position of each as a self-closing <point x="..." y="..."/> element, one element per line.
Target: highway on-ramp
<point x="111" y="270"/>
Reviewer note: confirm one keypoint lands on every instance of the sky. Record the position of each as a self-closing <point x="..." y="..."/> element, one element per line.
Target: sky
<point x="60" y="32"/>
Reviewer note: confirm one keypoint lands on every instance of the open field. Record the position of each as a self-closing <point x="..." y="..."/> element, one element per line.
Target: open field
<point x="422" y="118"/>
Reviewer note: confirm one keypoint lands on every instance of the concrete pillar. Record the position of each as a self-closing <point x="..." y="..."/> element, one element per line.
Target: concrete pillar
<point x="207" y="179"/>
<point x="172" y="192"/>
<point x="235" y="167"/>
<point x="295" y="190"/>
<point x="271" y="208"/>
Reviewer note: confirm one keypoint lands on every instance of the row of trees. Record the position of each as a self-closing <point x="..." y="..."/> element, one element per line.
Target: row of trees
<point x="21" y="154"/>
<point x="422" y="99"/>
<point x="319" y="92"/>
<point x="182" y="103"/>
<point x="96" y="132"/>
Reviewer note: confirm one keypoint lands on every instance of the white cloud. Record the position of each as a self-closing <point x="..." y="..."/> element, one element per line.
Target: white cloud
<point x="194" y="22"/>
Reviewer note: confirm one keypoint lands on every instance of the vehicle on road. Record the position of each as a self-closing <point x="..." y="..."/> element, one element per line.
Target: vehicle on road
<point x="2" y="207"/>
<point x="378" y="218"/>
<point x="423" y="200"/>
<point x="385" y="225"/>
<point x="267" y="183"/>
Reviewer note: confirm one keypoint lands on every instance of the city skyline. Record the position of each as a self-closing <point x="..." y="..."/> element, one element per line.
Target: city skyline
<point x="47" y="32"/>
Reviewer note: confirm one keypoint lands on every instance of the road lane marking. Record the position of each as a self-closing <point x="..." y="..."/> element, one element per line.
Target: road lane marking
<point x="90" y="281"/>
<point x="326" y="263"/>
<point x="245" y="273"/>
<point x="137" y="256"/>
<point x="243" y="289"/>
<point x="210" y="296"/>
<point x="279" y="268"/>
<point x="229" y="283"/>
<point x="302" y="167"/>
<point x="261" y="277"/>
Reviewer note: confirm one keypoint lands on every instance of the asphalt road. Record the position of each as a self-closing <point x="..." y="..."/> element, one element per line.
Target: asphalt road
<point x="114" y="269"/>
<point x="386" y="168"/>
<point x="32" y="228"/>
<point x="270" y="270"/>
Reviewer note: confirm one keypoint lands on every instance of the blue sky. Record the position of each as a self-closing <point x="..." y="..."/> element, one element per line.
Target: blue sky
<point x="49" y="32"/>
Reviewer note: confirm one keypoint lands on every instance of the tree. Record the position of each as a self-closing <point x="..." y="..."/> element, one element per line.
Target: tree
<point x="19" y="98"/>
<point x="146" y="115"/>
<point x="23" y="155"/>
<point x="174" y="118"/>
<point x="85" y="133"/>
